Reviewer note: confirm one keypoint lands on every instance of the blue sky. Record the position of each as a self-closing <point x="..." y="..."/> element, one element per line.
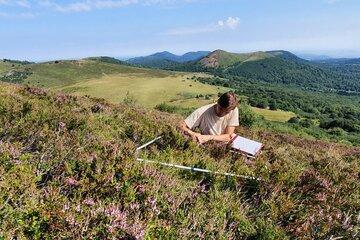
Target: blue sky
<point x="53" y="29"/>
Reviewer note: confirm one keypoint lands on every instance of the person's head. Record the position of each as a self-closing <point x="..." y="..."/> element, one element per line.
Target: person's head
<point x="225" y="104"/>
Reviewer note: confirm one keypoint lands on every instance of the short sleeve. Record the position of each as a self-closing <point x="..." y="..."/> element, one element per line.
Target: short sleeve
<point x="234" y="118"/>
<point x="193" y="120"/>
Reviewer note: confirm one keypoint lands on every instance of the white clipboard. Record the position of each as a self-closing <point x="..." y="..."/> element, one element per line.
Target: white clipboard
<point x="246" y="146"/>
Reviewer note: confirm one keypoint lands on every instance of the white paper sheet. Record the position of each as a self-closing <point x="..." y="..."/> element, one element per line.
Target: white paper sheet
<point x="246" y="145"/>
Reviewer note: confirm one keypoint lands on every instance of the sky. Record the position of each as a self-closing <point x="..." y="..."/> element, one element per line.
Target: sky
<point x="40" y="30"/>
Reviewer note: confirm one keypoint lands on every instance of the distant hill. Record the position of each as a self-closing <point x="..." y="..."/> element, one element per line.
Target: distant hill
<point x="221" y="58"/>
<point x="275" y="67"/>
<point x="106" y="60"/>
<point x="313" y="57"/>
<point x="166" y="59"/>
<point x="62" y="72"/>
<point x="279" y="67"/>
<point x="340" y="61"/>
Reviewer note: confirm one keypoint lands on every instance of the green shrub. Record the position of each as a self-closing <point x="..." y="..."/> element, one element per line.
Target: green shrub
<point x="129" y="99"/>
<point x="294" y="120"/>
<point x="166" y="108"/>
<point x="247" y="117"/>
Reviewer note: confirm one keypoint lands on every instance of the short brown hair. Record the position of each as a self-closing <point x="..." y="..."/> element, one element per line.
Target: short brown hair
<point x="228" y="100"/>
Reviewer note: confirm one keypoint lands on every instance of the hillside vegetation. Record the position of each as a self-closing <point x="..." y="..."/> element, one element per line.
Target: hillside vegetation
<point x="220" y="58"/>
<point x="66" y="72"/>
<point x="275" y="67"/>
<point x="68" y="170"/>
<point x="108" y="78"/>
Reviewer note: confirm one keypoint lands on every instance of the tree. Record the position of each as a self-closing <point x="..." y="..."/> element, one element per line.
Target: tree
<point x="273" y="105"/>
<point x="294" y="120"/>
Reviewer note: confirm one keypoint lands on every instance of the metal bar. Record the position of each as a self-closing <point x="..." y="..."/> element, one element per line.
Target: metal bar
<point x="197" y="169"/>
<point x="147" y="144"/>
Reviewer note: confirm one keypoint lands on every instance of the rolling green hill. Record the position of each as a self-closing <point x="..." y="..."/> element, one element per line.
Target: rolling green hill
<point x="280" y="67"/>
<point x="276" y="67"/>
<point x="109" y="78"/>
<point x="68" y="170"/>
<point x="62" y="73"/>
<point x="223" y="59"/>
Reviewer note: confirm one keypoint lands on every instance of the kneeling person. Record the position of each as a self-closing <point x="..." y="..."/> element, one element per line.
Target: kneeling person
<point x="216" y="121"/>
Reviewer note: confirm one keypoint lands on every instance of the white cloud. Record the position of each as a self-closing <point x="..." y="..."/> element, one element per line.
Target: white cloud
<point x="23" y="15"/>
<point x="19" y="3"/>
<point x="113" y="4"/>
<point x="88" y="5"/>
<point x="231" y="23"/>
<point x="332" y="1"/>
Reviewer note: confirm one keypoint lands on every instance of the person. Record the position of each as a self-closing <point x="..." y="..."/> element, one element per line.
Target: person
<point x="215" y="121"/>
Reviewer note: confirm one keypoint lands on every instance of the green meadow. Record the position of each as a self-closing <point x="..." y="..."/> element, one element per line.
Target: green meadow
<point x="147" y="89"/>
<point x="274" y="115"/>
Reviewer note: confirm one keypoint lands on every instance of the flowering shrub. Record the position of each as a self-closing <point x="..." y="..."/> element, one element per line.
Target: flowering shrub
<point x="68" y="170"/>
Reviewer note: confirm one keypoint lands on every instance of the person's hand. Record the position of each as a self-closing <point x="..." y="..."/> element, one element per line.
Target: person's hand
<point x="203" y="138"/>
<point x="195" y="136"/>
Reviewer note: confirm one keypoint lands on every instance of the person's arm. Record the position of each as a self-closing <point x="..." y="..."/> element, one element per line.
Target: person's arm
<point x="184" y="127"/>
<point x="226" y="137"/>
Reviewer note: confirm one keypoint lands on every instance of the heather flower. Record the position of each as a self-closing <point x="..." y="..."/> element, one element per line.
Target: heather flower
<point x="233" y="225"/>
<point x="140" y="189"/>
<point x="15" y="153"/>
<point x="115" y="213"/>
<point x="71" y="220"/>
<point x="61" y="126"/>
<point x="71" y="181"/>
<point x="66" y="207"/>
<point x="152" y="202"/>
<point x="201" y="235"/>
<point x="321" y="197"/>
<point x="16" y="162"/>
<point x="134" y="206"/>
<point x="89" y="202"/>
<point x="78" y="208"/>
<point x="118" y="187"/>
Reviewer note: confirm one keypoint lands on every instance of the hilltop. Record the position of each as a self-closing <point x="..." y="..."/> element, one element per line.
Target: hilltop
<point x="165" y="58"/>
<point x="67" y="169"/>
<point x="220" y="58"/>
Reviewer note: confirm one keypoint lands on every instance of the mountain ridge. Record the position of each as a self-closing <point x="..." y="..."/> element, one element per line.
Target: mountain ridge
<point x="162" y="57"/>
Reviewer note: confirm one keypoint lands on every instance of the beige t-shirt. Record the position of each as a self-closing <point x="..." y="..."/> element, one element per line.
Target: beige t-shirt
<point x="209" y="123"/>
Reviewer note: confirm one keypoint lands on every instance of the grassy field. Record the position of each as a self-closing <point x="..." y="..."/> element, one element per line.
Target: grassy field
<point x="277" y="116"/>
<point x="148" y="90"/>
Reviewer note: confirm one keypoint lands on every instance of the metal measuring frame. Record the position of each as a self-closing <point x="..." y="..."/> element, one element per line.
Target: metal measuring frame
<point x="185" y="167"/>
